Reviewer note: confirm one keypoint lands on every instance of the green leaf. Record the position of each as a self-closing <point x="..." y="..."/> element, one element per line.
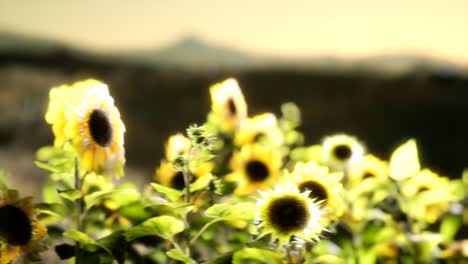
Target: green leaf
<point x="163" y="226"/>
<point x="179" y="255"/>
<point x="52" y="209"/>
<point x="201" y="182"/>
<point x="449" y="226"/>
<point x="124" y="195"/>
<point x="115" y="244"/>
<point x="85" y="241"/>
<point x="172" y="194"/>
<point x="46" y="166"/>
<point x="71" y="195"/>
<point x="241" y="211"/>
<point x="225" y="258"/>
<point x="256" y="256"/>
<point x="404" y="161"/>
<point x="328" y="259"/>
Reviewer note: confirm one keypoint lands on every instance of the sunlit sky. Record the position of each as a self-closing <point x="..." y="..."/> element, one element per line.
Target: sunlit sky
<point x="346" y="28"/>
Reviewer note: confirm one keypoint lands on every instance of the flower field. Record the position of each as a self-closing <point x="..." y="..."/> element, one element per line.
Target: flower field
<point x="238" y="188"/>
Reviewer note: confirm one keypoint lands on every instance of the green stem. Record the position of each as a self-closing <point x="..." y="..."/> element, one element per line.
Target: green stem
<point x="204" y="229"/>
<point x="79" y="210"/>
<point x="187" y="177"/>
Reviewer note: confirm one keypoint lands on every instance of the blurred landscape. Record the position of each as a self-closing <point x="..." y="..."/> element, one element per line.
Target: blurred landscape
<point x="383" y="100"/>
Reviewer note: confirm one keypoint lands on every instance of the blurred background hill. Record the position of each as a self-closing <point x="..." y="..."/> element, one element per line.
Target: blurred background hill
<point x="382" y="98"/>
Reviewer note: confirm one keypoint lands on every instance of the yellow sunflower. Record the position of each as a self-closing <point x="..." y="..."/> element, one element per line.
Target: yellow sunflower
<point x="370" y="167"/>
<point x="369" y="176"/>
<point x="428" y="195"/>
<point x="254" y="167"/>
<point x="339" y="151"/>
<point x="20" y="231"/>
<point x="227" y="101"/>
<point x="177" y="145"/>
<point x="258" y="128"/>
<point x="322" y="186"/>
<point x="167" y="175"/>
<point x="84" y="113"/>
<point x="285" y="212"/>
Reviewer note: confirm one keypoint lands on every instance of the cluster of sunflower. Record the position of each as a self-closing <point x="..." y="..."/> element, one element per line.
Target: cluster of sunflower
<point x="237" y="189"/>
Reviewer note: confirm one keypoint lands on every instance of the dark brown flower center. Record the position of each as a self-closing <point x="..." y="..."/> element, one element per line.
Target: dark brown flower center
<point x="342" y="152"/>
<point x="256" y="170"/>
<point x="368" y="174"/>
<point x="288" y="214"/>
<point x="100" y="128"/>
<point x="317" y="191"/>
<point x="177" y="181"/>
<point x="15" y="226"/>
<point x="231" y="106"/>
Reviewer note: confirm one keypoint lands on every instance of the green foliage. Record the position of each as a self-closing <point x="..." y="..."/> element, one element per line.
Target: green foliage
<point x="179" y="255"/>
<point x="376" y="211"/>
<point x="242" y="211"/>
<point x="256" y="256"/>
<point x="163" y="226"/>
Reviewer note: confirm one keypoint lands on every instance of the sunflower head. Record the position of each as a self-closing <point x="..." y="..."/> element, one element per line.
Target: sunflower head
<point x="286" y="212"/>
<point x="177" y="145"/>
<point x="227" y="101"/>
<point x="321" y="185"/>
<point x="260" y="128"/>
<point x="84" y="113"/>
<point x="20" y="231"/>
<point x="254" y="167"/>
<point x="428" y="195"/>
<point x="167" y="175"/>
<point x="339" y="151"/>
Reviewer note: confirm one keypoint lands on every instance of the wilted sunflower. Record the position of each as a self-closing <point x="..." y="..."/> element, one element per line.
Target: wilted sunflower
<point x="20" y="231"/>
<point x="322" y="186"/>
<point x="285" y="212"/>
<point x="254" y="167"/>
<point x="167" y="175"/>
<point x="258" y="128"/>
<point x="227" y="101"/>
<point x="177" y="145"/>
<point x="341" y="150"/>
<point x="84" y="113"/>
<point x="429" y="195"/>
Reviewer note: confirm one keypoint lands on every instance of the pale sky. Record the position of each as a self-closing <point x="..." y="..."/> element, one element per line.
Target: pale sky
<point x="346" y="28"/>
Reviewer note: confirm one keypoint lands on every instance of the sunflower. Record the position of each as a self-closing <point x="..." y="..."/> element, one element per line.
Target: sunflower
<point x="428" y="195"/>
<point x="84" y="113"/>
<point x="227" y="101"/>
<point x="322" y="185"/>
<point x="177" y="145"/>
<point x="20" y="231"/>
<point x="369" y="176"/>
<point x="339" y="151"/>
<point x="285" y="212"/>
<point x="254" y="167"/>
<point x="258" y="128"/>
<point x="167" y="175"/>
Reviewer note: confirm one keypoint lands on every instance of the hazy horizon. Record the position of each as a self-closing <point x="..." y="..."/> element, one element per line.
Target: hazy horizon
<point x="361" y="28"/>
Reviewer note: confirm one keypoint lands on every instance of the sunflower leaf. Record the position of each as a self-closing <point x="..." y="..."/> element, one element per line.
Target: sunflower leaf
<point x="46" y="166"/>
<point x="180" y="256"/>
<point x="201" y="182"/>
<point x="449" y="226"/>
<point x="71" y="195"/>
<point x="404" y="161"/>
<point x="85" y="241"/>
<point x="241" y="211"/>
<point x="163" y="226"/>
<point x="256" y="256"/>
<point x="52" y="209"/>
<point x="172" y="194"/>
